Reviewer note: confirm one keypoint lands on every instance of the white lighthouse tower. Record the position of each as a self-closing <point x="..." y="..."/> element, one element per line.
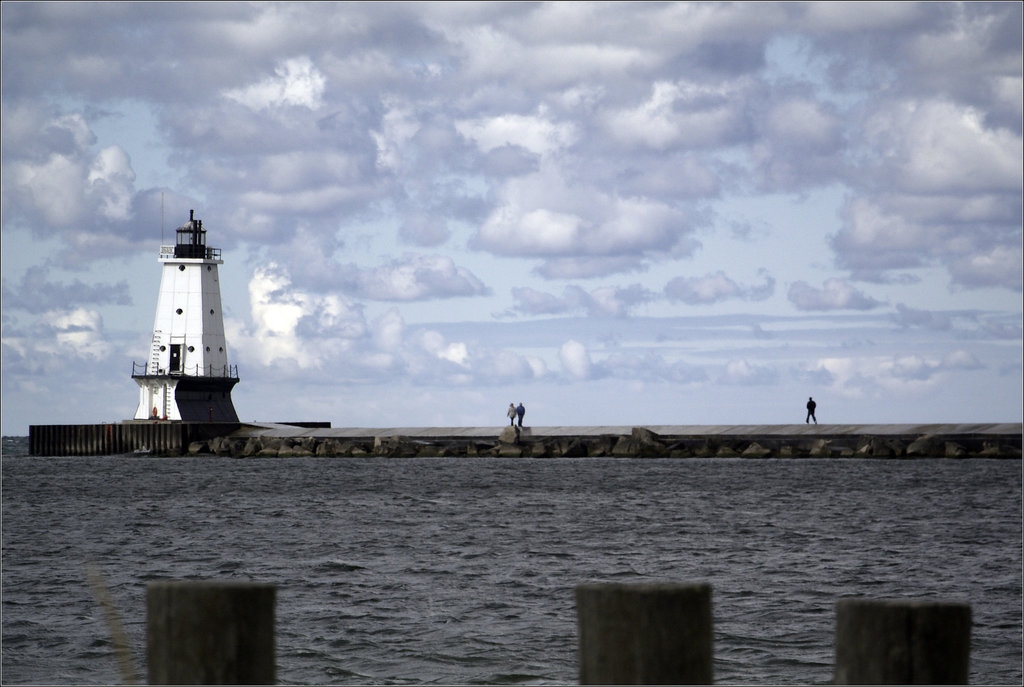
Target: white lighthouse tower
<point x="187" y="376"/>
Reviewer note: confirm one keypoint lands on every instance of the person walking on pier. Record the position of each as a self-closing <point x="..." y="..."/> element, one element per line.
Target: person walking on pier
<point x="511" y="414"/>
<point x="811" y="405"/>
<point x="520" y="411"/>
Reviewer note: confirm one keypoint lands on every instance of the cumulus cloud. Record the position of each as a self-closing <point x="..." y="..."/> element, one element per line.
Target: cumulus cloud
<point x="745" y="373"/>
<point x="941" y="185"/>
<point x="1002" y="330"/>
<point x="296" y="82"/>
<point x="314" y="335"/>
<point x="803" y="123"/>
<point x="504" y="366"/>
<point x="849" y="17"/>
<point x="588" y="267"/>
<point x="716" y="287"/>
<point x="535" y="133"/>
<point x="872" y="375"/>
<point x="936" y="146"/>
<point x="610" y="301"/>
<point x="835" y="294"/>
<point x="435" y="344"/>
<point x="681" y="175"/>
<point x="961" y="360"/>
<point x="912" y="317"/>
<point x="85" y="196"/>
<point x="111" y="179"/>
<point x="799" y="145"/>
<point x="294" y="326"/>
<point x="388" y="330"/>
<point x="398" y="125"/>
<point x="541" y="215"/>
<point x="998" y="266"/>
<point x="653" y="367"/>
<point x="424" y="230"/>
<point x="52" y="348"/>
<point x="429" y="357"/>
<point x="575" y="359"/>
<point x="36" y="131"/>
<point x="79" y="329"/>
<point x="586" y="174"/>
<point x="977" y="238"/>
<point x="681" y="114"/>
<point x="875" y="236"/>
<point x="534" y="43"/>
<point x="53" y="189"/>
<point x="78" y="332"/>
<point x="412" y="278"/>
<point x="37" y="293"/>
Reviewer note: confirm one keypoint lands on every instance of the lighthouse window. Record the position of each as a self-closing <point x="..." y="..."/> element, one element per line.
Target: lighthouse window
<point x="207" y="349"/>
<point x="181" y="268"/>
<point x="211" y="311"/>
<point x="178" y="311"/>
<point x="163" y="348"/>
<point x="209" y="269"/>
<point x="191" y="349"/>
<point x="221" y="349"/>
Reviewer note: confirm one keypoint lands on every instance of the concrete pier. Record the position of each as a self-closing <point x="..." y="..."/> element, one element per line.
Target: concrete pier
<point x="993" y="440"/>
<point x="158" y="438"/>
<point x="270" y="439"/>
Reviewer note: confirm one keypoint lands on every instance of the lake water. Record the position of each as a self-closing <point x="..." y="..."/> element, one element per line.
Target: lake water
<point x="456" y="570"/>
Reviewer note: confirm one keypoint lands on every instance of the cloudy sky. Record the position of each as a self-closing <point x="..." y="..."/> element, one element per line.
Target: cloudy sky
<point x="637" y="213"/>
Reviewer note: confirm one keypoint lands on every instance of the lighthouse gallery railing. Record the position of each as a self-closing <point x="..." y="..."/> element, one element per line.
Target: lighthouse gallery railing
<point x="187" y="251"/>
<point x="226" y="371"/>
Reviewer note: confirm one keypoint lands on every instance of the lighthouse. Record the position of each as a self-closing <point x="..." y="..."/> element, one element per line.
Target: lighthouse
<point x="187" y="376"/>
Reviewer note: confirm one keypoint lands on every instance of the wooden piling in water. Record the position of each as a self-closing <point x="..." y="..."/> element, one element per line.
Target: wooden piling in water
<point x="210" y="633"/>
<point x="902" y="642"/>
<point x="223" y="633"/>
<point x="644" y="633"/>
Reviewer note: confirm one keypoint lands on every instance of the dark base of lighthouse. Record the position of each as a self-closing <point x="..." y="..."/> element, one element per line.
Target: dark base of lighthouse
<point x="205" y="399"/>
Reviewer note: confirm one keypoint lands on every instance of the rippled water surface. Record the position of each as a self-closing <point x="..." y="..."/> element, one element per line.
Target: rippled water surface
<point x="463" y="570"/>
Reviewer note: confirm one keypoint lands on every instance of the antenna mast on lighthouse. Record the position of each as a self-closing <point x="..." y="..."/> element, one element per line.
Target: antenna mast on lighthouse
<point x="187" y="376"/>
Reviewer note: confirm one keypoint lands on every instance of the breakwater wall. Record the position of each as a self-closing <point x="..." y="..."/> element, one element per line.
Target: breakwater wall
<point x="161" y="438"/>
<point x="249" y="440"/>
<point x="703" y="441"/>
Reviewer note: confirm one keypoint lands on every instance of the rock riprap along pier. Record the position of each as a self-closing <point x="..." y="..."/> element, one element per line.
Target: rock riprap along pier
<point x="695" y="441"/>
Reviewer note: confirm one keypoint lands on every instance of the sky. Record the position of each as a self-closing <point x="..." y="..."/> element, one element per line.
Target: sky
<point x="616" y="214"/>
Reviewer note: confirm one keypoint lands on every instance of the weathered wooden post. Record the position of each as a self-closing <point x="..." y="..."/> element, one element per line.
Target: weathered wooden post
<point x="210" y="633"/>
<point x="645" y="633"/>
<point x="905" y="642"/>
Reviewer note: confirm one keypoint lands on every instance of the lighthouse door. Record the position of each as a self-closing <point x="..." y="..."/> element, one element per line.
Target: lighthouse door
<point x="175" y="366"/>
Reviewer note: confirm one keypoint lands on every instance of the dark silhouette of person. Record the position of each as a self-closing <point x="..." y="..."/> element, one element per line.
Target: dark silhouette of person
<point x="511" y="414"/>
<point x="811" y="405"/>
<point x="520" y="411"/>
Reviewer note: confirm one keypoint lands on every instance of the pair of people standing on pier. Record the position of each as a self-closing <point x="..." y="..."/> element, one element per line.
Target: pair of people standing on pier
<point x="514" y="412"/>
